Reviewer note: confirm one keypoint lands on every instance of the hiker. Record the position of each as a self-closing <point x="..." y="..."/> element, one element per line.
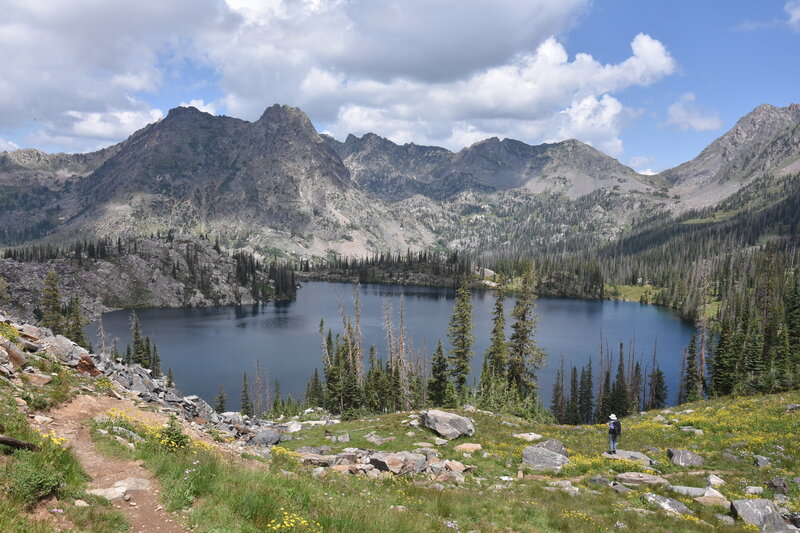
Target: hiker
<point x="614" y="430"/>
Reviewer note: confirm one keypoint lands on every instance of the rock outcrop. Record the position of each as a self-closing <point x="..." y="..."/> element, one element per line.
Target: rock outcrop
<point x="448" y="425"/>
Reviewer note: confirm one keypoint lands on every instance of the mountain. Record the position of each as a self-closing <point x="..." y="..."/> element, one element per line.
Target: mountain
<point x="758" y="143"/>
<point x="273" y="184"/>
<point x="395" y="172"/>
<point x="277" y="186"/>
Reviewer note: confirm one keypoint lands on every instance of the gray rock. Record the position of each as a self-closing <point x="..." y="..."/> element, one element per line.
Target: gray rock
<point x="670" y="505"/>
<point x="554" y="445"/>
<point x="127" y="433"/>
<point x="266" y="437"/>
<point x="750" y="489"/>
<point x="692" y="492"/>
<point x="398" y="462"/>
<point x="684" y="458"/>
<point x="530" y="437"/>
<point x="778" y="485"/>
<point x="619" y="488"/>
<point x="448" y="425"/>
<point x="376" y="440"/>
<point x="714" y="481"/>
<point x="725" y="519"/>
<point x="319" y="450"/>
<point x="792" y="407"/>
<point x="597" y="480"/>
<point x="630" y="456"/>
<point x="760" y="513"/>
<point x="640" y="478"/>
<point x="543" y="459"/>
<point x="760" y="461"/>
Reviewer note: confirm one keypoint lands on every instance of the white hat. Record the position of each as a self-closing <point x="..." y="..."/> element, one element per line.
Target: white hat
<point x="612" y="417"/>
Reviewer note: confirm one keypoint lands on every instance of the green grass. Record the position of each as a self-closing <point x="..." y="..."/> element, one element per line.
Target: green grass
<point x="27" y="477"/>
<point x="268" y="495"/>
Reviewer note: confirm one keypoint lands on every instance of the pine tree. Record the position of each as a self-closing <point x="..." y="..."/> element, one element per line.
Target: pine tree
<point x="619" y="391"/>
<point x="461" y="338"/>
<point x="723" y="364"/>
<point x="74" y="323"/>
<point x="559" y="402"/>
<point x="170" y="379"/>
<point x="754" y="364"/>
<point x="246" y="404"/>
<point x="524" y="356"/>
<point x="635" y="388"/>
<point x="50" y="304"/>
<point x="219" y="405"/>
<point x="572" y="413"/>
<point x="314" y="393"/>
<point x="139" y="354"/>
<point x="690" y="387"/>
<point x="277" y="401"/>
<point x="659" y="387"/>
<point x="586" y="394"/>
<point x="605" y="405"/>
<point x="155" y="363"/>
<point x="437" y="387"/>
<point x="497" y="354"/>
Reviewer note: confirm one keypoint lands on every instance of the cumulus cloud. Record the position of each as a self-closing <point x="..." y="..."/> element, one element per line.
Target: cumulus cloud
<point x="792" y="8"/>
<point x="642" y="163"/>
<point x="686" y="115"/>
<point x="208" y="107"/>
<point x="7" y="146"/>
<point x="448" y="72"/>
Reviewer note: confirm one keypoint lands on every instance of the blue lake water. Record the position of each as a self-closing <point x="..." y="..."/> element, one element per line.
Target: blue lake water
<point x="206" y="347"/>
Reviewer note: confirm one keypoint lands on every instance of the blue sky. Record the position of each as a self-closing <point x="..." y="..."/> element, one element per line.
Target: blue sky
<point x="650" y="83"/>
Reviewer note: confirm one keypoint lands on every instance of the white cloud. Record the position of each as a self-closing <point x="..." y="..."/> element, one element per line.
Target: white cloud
<point x="792" y="8"/>
<point x="537" y="96"/>
<point x="7" y="146"/>
<point x="207" y="107"/>
<point x="447" y="72"/>
<point x="642" y="163"/>
<point x="113" y="124"/>
<point x="685" y="115"/>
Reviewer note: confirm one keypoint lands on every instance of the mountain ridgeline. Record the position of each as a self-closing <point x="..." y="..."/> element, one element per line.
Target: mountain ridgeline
<point x="276" y="184"/>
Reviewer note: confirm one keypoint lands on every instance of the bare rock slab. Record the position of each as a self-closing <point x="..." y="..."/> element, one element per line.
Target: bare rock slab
<point x="448" y="425"/>
<point x="760" y="513"/>
<point x="684" y="458"/>
<point x="637" y="457"/>
<point x="669" y="505"/>
<point x="542" y="459"/>
<point x="530" y="437"/>
<point x="640" y="478"/>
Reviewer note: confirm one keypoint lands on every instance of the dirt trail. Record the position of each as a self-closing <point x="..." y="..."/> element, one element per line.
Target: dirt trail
<point x="71" y="421"/>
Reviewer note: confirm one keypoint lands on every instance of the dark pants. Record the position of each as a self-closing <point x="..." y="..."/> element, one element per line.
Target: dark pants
<point x="612" y="442"/>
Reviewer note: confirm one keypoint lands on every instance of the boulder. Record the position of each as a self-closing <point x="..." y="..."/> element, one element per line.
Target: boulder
<point x="778" y="485"/>
<point x="87" y="366"/>
<point x="640" y="478"/>
<point x="619" y="488"/>
<point x="468" y="447"/>
<point x="543" y="459"/>
<point x="714" y="481"/>
<point x="712" y="497"/>
<point x="398" y="462"/>
<point x="670" y="505"/>
<point x="455" y="466"/>
<point x="637" y="457"/>
<point x="448" y="425"/>
<point x="376" y="440"/>
<point x="554" y="445"/>
<point x="16" y="356"/>
<point x="760" y="513"/>
<point x="64" y="349"/>
<point x="38" y="379"/>
<point x="760" y="461"/>
<point x="530" y="437"/>
<point x="684" y="458"/>
<point x="792" y="407"/>
<point x="692" y="492"/>
<point x="317" y="459"/>
<point x="266" y="437"/>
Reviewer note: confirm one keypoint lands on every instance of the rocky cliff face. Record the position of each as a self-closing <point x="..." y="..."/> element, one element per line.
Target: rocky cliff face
<point x="759" y="142"/>
<point x="156" y="274"/>
<point x="394" y="172"/>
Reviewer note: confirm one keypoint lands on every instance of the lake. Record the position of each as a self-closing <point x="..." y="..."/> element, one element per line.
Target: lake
<point x="206" y="347"/>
